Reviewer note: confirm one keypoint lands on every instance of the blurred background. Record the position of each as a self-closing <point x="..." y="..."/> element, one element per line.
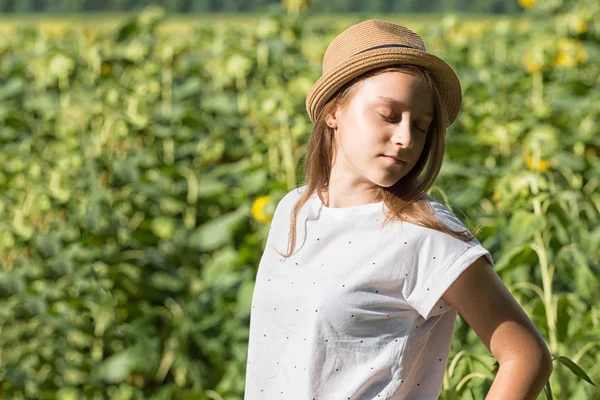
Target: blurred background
<point x="203" y="6"/>
<point x="145" y="145"/>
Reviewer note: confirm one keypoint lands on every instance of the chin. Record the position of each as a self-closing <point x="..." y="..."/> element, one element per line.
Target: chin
<point x="386" y="183"/>
<point x="389" y="185"/>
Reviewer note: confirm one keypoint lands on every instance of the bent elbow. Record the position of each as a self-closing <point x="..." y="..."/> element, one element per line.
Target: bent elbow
<point x="540" y="360"/>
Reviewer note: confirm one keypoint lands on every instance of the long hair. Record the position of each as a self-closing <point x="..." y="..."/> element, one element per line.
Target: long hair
<point x="406" y="199"/>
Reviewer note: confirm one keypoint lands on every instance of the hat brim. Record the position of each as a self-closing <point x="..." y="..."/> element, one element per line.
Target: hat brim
<point x="357" y="65"/>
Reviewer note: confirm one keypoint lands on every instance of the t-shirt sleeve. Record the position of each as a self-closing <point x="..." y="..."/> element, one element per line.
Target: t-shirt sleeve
<point x="440" y="260"/>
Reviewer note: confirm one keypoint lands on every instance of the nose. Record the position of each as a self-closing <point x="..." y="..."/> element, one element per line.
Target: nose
<point x="404" y="133"/>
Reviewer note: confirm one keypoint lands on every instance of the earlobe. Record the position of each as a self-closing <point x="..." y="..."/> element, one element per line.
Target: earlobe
<point x="331" y="120"/>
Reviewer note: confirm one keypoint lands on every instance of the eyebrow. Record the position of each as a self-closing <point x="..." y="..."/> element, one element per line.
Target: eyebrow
<point x="393" y="101"/>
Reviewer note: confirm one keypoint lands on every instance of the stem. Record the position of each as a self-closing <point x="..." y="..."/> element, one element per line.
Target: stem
<point x="287" y="152"/>
<point x="537" y="88"/>
<point x="242" y="95"/>
<point x="64" y="96"/>
<point x="272" y="154"/>
<point x="262" y="55"/>
<point x="547" y="272"/>
<point x="550" y="305"/>
<point x="167" y="86"/>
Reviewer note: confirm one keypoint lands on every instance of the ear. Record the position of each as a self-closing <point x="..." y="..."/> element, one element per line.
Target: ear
<point x="332" y="119"/>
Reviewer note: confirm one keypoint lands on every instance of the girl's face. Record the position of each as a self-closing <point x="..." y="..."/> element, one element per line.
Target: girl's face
<point x="389" y="116"/>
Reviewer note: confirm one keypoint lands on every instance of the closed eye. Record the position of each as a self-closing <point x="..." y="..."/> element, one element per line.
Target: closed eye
<point x="395" y="120"/>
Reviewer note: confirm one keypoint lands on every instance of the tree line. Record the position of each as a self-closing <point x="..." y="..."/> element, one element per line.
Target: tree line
<point x="204" y="6"/>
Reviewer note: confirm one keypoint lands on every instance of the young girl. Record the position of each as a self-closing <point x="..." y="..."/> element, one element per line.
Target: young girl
<point x="363" y="303"/>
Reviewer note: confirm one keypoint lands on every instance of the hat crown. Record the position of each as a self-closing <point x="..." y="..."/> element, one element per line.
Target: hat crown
<point x="376" y="44"/>
<point x="365" y="35"/>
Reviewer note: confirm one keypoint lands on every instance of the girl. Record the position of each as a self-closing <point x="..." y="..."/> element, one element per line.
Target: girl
<point x="363" y="303"/>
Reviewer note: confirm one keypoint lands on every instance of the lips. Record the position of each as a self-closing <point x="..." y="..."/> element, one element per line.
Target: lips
<point x="395" y="158"/>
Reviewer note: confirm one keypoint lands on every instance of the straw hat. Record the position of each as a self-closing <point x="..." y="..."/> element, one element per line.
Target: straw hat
<point x="372" y="44"/>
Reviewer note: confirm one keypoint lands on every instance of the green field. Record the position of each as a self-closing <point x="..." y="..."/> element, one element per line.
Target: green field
<point x="140" y="172"/>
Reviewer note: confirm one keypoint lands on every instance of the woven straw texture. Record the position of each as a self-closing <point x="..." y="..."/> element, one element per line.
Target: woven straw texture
<point x="348" y="56"/>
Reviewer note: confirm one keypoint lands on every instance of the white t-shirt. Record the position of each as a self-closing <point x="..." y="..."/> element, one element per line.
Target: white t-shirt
<point x="356" y="312"/>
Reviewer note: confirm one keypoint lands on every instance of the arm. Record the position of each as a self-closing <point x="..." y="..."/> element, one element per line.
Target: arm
<point x="489" y="308"/>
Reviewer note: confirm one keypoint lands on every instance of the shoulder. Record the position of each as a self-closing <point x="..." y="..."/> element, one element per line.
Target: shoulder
<point x="434" y="204"/>
<point x="444" y="214"/>
<point x="289" y="199"/>
<point x="292" y="197"/>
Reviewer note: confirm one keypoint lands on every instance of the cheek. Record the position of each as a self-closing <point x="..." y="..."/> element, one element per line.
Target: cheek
<point x="353" y="149"/>
<point x="360" y="138"/>
<point x="357" y="149"/>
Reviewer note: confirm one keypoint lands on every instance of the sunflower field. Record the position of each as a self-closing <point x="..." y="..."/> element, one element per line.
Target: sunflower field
<point x="140" y="171"/>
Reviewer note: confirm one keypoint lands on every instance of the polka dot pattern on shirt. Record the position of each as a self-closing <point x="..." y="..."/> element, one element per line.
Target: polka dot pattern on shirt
<point x="346" y="285"/>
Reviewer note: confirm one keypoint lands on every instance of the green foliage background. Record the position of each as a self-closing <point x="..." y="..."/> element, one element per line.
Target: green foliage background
<point x="130" y="230"/>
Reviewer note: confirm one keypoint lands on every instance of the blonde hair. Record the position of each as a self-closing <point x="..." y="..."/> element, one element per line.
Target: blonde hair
<point x="407" y="199"/>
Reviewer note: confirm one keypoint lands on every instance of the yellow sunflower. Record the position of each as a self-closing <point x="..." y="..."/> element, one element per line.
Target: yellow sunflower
<point x="564" y="60"/>
<point x="258" y="208"/>
<point x="526" y="3"/>
<point x="531" y="164"/>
